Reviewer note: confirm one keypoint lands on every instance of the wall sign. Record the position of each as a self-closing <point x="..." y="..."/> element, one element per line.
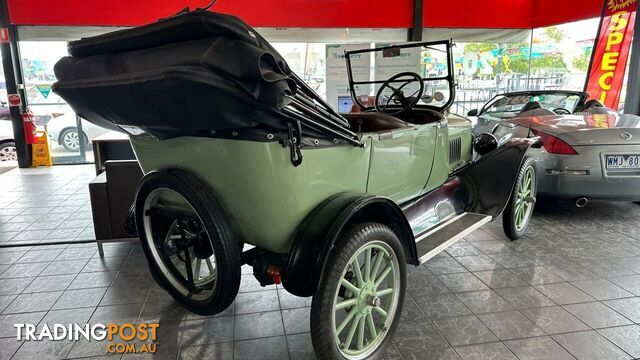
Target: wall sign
<point x="338" y="95"/>
<point x="44" y="89"/>
<point x="389" y="64"/>
<point x="14" y="100"/>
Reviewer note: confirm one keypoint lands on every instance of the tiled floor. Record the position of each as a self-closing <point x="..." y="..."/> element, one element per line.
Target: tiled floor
<point x="45" y="205"/>
<point x="570" y="289"/>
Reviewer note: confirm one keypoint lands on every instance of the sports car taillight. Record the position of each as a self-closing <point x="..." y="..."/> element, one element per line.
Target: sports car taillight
<point x="554" y="145"/>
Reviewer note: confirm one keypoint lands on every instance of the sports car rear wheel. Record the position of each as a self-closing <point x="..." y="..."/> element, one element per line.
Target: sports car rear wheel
<point x="517" y="214"/>
<point x="187" y="241"/>
<point x="359" y="302"/>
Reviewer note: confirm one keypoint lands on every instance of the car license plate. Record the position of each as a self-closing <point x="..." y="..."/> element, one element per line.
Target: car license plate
<point x="623" y="161"/>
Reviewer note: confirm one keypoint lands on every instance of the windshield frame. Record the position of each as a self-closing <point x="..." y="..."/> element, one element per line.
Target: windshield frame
<point x="427" y="44"/>
<point x="581" y="94"/>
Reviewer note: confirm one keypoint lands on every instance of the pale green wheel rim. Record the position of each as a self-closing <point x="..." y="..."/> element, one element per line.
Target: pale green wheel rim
<point x="366" y="300"/>
<point x="525" y="198"/>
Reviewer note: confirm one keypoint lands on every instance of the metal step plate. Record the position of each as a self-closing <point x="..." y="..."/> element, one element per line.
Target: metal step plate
<point x="446" y="234"/>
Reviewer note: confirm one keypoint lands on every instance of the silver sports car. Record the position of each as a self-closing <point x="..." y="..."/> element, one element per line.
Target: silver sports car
<point x="588" y="151"/>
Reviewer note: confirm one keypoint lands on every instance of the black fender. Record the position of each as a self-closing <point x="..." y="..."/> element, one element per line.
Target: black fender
<point x="491" y="179"/>
<point x="319" y="232"/>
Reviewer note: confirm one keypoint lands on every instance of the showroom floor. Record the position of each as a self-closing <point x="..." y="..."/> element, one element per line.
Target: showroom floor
<point x="571" y="288"/>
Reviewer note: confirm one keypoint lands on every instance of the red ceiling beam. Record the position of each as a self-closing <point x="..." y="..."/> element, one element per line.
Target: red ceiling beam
<point x="485" y="14"/>
<point x="554" y="12"/>
<point x="523" y="14"/>
<point x="258" y="13"/>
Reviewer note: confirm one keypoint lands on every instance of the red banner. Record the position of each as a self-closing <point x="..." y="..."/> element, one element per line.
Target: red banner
<point x="610" y="52"/>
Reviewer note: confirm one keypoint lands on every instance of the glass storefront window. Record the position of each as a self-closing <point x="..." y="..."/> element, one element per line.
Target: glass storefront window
<point x="554" y="57"/>
<point x="563" y="51"/>
<point x="69" y="136"/>
<point x="484" y="70"/>
<point x="307" y="60"/>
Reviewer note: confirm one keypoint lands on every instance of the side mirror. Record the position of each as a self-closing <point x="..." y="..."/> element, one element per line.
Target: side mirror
<point x="485" y="143"/>
<point x="473" y="112"/>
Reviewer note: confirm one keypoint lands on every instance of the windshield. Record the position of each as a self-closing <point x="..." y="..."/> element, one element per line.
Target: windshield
<point x="429" y="61"/>
<point x="508" y="106"/>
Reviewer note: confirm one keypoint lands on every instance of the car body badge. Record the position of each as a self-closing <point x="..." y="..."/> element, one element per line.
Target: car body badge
<point x="625" y="136"/>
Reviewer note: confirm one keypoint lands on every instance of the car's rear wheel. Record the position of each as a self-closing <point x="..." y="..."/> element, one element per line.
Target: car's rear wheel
<point x="358" y="305"/>
<point x="70" y="140"/>
<point x="8" y="151"/>
<point x="188" y="241"/>
<point x="517" y="214"/>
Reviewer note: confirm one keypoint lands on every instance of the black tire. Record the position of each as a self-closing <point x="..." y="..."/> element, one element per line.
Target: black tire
<point x="68" y="147"/>
<point x="8" y="151"/>
<point x="213" y="220"/>
<point x="321" y="322"/>
<point x="509" y="222"/>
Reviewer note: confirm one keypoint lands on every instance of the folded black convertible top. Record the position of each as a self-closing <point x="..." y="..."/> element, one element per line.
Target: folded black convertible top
<point x="189" y="74"/>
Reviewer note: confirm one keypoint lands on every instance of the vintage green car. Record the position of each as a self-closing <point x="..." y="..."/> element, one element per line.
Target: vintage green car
<point x="244" y="164"/>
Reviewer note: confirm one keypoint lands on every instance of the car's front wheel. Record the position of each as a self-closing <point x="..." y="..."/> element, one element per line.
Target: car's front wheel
<point x="359" y="302"/>
<point x="8" y="151"/>
<point x="517" y="214"/>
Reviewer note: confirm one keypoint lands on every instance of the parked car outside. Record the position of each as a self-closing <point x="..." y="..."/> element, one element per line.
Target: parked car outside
<point x="64" y="131"/>
<point x="54" y="115"/>
<point x="7" y="144"/>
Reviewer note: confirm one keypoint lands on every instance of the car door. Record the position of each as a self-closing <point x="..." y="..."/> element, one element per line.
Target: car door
<point x="401" y="161"/>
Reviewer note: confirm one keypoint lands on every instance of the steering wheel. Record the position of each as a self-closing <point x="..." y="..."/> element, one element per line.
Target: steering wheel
<point x="398" y="96"/>
<point x="561" y="111"/>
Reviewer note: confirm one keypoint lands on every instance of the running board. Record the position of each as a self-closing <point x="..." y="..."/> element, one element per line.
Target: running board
<point x="430" y="243"/>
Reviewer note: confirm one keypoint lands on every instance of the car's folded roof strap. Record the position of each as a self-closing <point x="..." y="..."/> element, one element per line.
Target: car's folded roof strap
<point x="295" y="140"/>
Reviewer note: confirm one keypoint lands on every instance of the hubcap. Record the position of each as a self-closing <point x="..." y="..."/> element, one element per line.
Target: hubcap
<point x="71" y="140"/>
<point x="525" y="198"/>
<point x="366" y="300"/>
<point x="183" y="252"/>
<point x="8" y="153"/>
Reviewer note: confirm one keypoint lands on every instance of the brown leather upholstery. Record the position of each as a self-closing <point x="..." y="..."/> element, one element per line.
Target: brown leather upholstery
<point x="425" y="116"/>
<point x="374" y="121"/>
